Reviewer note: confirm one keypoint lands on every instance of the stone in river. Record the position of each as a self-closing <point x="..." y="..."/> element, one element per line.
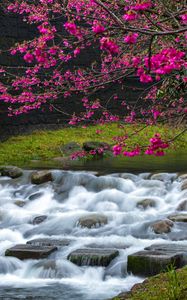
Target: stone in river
<point x="145" y="203"/>
<point x="184" y="185"/>
<point x="20" y="203"/>
<point x="30" y="252"/>
<point x="183" y="205"/>
<point x="163" y="226"/>
<point x="49" y="242"/>
<point x="178" y="218"/>
<point x="93" y="220"/>
<point x="152" y="262"/>
<point x="11" y="171"/>
<point x="92" y="257"/>
<point x="39" y="219"/>
<point x="39" y="177"/>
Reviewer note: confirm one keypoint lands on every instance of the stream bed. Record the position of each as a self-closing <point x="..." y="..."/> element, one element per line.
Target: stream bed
<point x="61" y="210"/>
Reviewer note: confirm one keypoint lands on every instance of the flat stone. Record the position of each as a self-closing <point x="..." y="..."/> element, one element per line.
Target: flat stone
<point x="163" y="226"/>
<point x="11" y="171"/>
<point x="41" y="177"/>
<point x="152" y="262"/>
<point x="92" y="257"/>
<point x="39" y="219"/>
<point x="184" y="185"/>
<point x="178" y="218"/>
<point x="145" y="203"/>
<point x="183" y="205"/>
<point x="93" y="220"/>
<point x="49" y="242"/>
<point x="30" y="252"/>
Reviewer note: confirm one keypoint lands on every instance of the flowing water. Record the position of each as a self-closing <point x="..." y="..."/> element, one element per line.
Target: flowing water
<point x="69" y="197"/>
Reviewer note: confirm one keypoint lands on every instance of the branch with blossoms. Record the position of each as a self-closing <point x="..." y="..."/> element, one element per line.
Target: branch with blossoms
<point x="143" y="38"/>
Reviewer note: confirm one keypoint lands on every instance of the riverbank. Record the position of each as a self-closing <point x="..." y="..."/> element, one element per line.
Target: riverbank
<point x="171" y="285"/>
<point x="47" y="145"/>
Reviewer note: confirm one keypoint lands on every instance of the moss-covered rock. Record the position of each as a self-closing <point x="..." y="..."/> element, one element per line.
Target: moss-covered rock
<point x="11" y="171"/>
<point x="152" y="262"/>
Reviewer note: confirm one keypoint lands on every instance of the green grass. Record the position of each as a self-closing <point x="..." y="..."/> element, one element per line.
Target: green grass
<point x="160" y="287"/>
<point x="45" y="145"/>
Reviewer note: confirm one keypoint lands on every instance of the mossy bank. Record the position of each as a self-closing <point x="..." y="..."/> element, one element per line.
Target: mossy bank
<point x="46" y="145"/>
<point x="171" y="285"/>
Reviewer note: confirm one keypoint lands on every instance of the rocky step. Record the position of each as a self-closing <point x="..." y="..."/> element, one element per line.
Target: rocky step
<point x="157" y="258"/>
<point x="49" y="242"/>
<point x="178" y="218"/>
<point x="11" y="171"/>
<point x="39" y="177"/>
<point x="30" y="251"/>
<point x="93" y="257"/>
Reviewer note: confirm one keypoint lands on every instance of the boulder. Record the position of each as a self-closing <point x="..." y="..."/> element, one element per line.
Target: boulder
<point x="94" y="220"/>
<point x="39" y="219"/>
<point x="30" y="252"/>
<point x="92" y="145"/>
<point x="20" y="203"/>
<point x="183" y="205"/>
<point x="178" y="218"/>
<point x="93" y="257"/>
<point x="184" y="185"/>
<point x="11" y="171"/>
<point x="70" y="148"/>
<point x="41" y="177"/>
<point x="146" y="203"/>
<point x="163" y="226"/>
<point x="49" y="242"/>
<point x="152" y="262"/>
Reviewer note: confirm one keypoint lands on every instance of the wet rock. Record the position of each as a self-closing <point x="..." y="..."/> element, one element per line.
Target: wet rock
<point x="41" y="177"/>
<point x="146" y="203"/>
<point x="88" y="146"/>
<point x="92" y="257"/>
<point x="20" y="203"/>
<point x="163" y="226"/>
<point x="163" y="176"/>
<point x="183" y="177"/>
<point x="11" y="171"/>
<point x="94" y="220"/>
<point x="30" y="252"/>
<point x="70" y="148"/>
<point x="35" y="196"/>
<point x="183" y="205"/>
<point x="39" y="219"/>
<point x="178" y="218"/>
<point x="184" y="185"/>
<point x="49" y="242"/>
<point x="152" y="262"/>
<point x="171" y="248"/>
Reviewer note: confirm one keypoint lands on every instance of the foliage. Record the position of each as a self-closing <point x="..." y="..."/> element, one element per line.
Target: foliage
<point x="143" y="38"/>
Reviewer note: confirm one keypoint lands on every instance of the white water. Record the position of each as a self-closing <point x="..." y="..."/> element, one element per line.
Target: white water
<point x="71" y="196"/>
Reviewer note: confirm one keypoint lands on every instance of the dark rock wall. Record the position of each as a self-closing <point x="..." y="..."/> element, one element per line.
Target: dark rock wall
<point x="13" y="29"/>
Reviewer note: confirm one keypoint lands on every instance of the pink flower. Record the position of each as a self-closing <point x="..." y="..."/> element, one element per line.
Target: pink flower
<point x="28" y="57"/>
<point x="130" y="16"/>
<point x="107" y="44"/>
<point x="98" y="28"/>
<point x="131" y="38"/>
<point x="117" y="150"/>
<point x="71" y="28"/>
<point x="145" y="78"/>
